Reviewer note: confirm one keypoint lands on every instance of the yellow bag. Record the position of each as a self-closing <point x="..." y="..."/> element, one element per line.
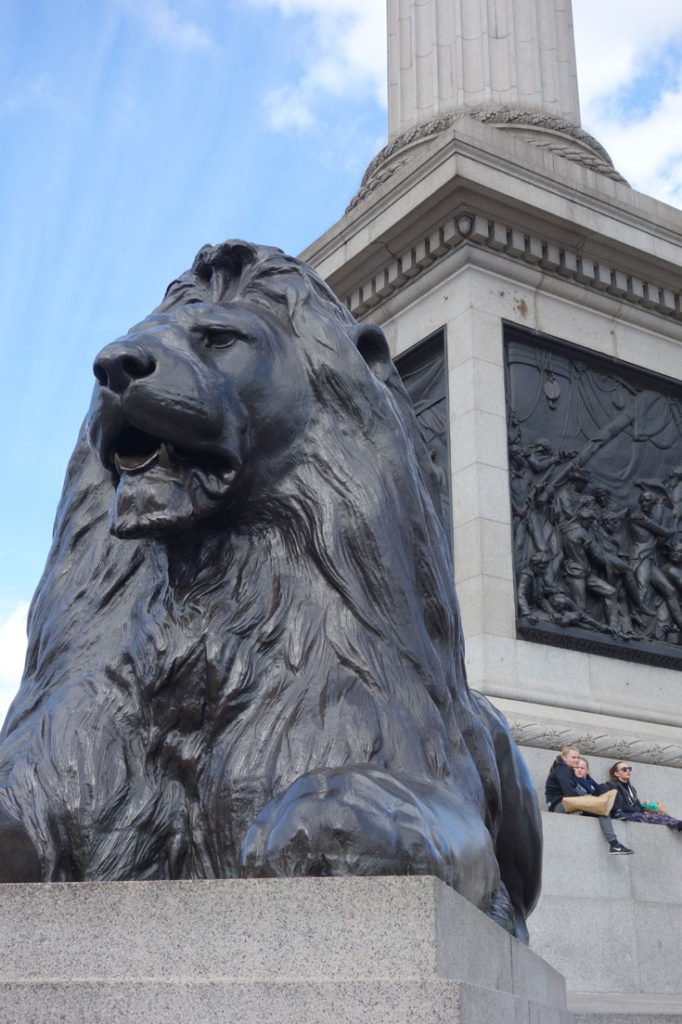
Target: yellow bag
<point x="601" y="805"/>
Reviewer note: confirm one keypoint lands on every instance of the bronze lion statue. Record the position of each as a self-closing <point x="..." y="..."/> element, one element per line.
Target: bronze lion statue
<point x="245" y="656"/>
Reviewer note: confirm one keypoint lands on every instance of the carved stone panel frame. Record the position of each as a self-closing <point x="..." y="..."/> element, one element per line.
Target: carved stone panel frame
<point x="595" y="480"/>
<point x="423" y="370"/>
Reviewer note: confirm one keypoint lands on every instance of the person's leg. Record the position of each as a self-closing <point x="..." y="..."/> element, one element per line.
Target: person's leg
<point x="615" y="845"/>
<point x="606" y="825"/>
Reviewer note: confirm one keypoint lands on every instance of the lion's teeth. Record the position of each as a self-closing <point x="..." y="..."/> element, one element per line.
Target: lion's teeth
<point x="164" y="455"/>
<point x="133" y="463"/>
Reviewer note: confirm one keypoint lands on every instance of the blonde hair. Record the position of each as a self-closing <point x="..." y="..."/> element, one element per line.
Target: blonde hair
<point x="569" y="746"/>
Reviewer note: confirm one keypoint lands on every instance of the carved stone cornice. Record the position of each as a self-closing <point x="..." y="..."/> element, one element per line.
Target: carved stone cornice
<point x="538" y="129"/>
<point x="529" y="732"/>
<point x="473" y="227"/>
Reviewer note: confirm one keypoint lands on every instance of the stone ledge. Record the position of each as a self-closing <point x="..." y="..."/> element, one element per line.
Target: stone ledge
<point x="377" y="1002"/>
<point x="626" y="1009"/>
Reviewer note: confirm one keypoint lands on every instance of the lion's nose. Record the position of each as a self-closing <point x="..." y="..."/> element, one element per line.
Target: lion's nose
<point x="120" y="363"/>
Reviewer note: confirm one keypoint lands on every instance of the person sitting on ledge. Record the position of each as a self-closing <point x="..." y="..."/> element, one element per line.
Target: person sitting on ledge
<point x="585" y="780"/>
<point x="563" y="780"/>
<point x="628" y="806"/>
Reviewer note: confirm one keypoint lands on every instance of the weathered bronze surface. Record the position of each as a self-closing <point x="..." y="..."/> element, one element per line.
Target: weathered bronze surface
<point x="245" y="655"/>
<point x="595" y="461"/>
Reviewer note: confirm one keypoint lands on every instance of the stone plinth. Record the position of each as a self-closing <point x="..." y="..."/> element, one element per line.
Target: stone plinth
<point x="307" y="950"/>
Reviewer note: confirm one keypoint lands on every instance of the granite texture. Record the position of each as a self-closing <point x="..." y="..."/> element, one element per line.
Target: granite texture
<point x="347" y="949"/>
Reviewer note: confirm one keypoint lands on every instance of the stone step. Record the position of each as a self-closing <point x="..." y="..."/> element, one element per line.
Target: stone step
<point x="625" y="1008"/>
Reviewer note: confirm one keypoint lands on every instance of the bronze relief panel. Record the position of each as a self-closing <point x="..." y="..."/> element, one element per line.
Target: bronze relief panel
<point x="595" y="473"/>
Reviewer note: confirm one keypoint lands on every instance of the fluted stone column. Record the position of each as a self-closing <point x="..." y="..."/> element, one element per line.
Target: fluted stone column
<point x="445" y="55"/>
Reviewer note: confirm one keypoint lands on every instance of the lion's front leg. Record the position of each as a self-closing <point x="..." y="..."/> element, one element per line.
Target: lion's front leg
<point x="361" y="820"/>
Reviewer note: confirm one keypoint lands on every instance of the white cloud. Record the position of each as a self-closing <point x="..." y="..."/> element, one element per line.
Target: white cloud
<point x="12" y="654"/>
<point x="288" y="110"/>
<point x="37" y="92"/>
<point x="624" y="45"/>
<point x="618" y="39"/>
<point x="650" y="149"/>
<point x="347" y="58"/>
<point x="165" y="25"/>
<point x="618" y="43"/>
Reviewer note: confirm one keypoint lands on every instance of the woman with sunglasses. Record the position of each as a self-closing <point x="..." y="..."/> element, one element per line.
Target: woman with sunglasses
<point x="628" y="805"/>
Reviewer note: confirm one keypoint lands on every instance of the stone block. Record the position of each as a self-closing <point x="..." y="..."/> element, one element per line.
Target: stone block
<point x="482" y="546"/>
<point x="551" y="257"/>
<point x="562" y="925"/>
<point x="621" y="686"/>
<point x="486" y="602"/>
<point x="353" y="950"/>
<point x="617" y="936"/>
<point x="461" y="385"/>
<point x="551" y="673"/>
<point x="463" y="442"/>
<point x="619" y="283"/>
<point x="528" y="970"/>
<point x="491" y="661"/>
<point x="569" y="263"/>
<point x="592" y="874"/>
<point x="476" y="384"/>
<point x="516" y="242"/>
<point x="480" y="490"/>
<point x="657" y="934"/>
<point x="474" y="332"/>
<point x="649" y="1008"/>
<point x="645" y="349"/>
<point x="533" y="253"/>
<point x="478" y="437"/>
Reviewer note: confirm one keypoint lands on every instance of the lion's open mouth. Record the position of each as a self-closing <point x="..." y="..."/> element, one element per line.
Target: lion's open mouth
<point x="135" y="452"/>
<point x="163" y="486"/>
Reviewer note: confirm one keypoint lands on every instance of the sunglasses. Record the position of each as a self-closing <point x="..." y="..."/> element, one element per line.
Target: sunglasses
<point x="625" y="768"/>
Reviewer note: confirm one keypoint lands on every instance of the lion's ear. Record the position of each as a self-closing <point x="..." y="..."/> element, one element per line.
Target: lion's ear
<point x="372" y="345"/>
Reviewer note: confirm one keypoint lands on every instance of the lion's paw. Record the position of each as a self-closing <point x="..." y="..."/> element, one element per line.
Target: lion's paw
<point x="362" y="821"/>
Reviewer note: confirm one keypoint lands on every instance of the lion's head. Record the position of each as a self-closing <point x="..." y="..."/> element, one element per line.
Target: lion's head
<point x="204" y="407"/>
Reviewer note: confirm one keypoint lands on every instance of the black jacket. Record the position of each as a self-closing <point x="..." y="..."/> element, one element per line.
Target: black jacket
<point x="624" y="803"/>
<point x="561" y="781"/>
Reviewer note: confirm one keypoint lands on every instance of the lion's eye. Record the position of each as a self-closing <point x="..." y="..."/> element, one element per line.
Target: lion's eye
<point x="221" y="337"/>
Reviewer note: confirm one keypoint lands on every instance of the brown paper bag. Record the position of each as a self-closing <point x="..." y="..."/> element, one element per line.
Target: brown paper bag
<point x="601" y="805"/>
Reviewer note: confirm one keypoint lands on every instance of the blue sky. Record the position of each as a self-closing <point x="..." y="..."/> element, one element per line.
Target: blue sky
<point x="134" y="131"/>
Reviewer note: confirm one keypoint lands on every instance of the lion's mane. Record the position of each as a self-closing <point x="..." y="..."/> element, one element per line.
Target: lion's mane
<point x="173" y="688"/>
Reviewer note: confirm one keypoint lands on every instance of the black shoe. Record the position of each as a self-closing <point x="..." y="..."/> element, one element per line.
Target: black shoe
<point x="619" y="848"/>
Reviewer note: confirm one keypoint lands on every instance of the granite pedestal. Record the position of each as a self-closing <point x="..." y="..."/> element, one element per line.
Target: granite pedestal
<point x="306" y="950"/>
